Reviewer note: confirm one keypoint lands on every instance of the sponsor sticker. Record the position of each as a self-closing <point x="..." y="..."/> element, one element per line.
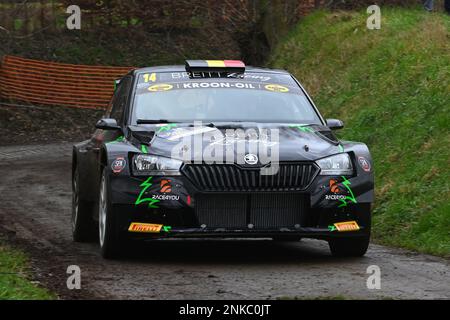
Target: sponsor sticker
<point x="334" y="186"/>
<point x="335" y="190"/>
<point x="347" y="226"/>
<point x="145" y="227"/>
<point x="160" y="87"/>
<point x="335" y="197"/>
<point x="118" y="165"/>
<point x="166" y="186"/>
<point x="167" y="197"/>
<point x="341" y="192"/>
<point x="215" y="85"/>
<point x="205" y="83"/>
<point x="276" y="88"/>
<point x="364" y="164"/>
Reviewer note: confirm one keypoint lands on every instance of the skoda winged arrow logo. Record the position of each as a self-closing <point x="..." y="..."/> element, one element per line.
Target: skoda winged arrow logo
<point x="251" y="159"/>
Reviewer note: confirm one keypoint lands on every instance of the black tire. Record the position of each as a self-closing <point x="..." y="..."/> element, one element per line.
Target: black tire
<point x="349" y="247"/>
<point x="112" y="243"/>
<point x="355" y="246"/>
<point x="82" y="222"/>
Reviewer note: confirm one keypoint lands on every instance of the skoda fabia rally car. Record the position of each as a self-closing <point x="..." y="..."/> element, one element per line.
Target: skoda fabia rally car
<point x="218" y="149"/>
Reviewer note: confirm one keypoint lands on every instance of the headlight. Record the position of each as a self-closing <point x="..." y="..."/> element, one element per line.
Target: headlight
<point x="339" y="164"/>
<point x="157" y="166"/>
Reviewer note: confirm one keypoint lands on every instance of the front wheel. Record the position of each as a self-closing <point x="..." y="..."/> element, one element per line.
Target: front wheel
<point x="349" y="247"/>
<point x="112" y="244"/>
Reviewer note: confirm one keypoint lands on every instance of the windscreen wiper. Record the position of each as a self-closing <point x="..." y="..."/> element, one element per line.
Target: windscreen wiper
<point x="150" y="121"/>
<point x="209" y="124"/>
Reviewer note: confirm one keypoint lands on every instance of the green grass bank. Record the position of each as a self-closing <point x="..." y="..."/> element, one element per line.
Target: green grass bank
<point x="392" y="89"/>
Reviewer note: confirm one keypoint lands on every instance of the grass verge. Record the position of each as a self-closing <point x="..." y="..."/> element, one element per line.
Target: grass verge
<point x="392" y="89"/>
<point x="15" y="283"/>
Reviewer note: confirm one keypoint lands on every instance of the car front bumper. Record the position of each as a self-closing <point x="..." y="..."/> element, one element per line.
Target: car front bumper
<point x="179" y="205"/>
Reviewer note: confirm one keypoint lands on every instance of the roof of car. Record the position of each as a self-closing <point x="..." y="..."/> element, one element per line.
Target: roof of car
<point x="182" y="68"/>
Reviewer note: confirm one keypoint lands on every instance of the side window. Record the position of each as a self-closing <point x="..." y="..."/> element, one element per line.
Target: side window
<point x="119" y="100"/>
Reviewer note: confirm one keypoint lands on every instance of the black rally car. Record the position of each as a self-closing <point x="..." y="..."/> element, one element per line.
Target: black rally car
<point x="217" y="149"/>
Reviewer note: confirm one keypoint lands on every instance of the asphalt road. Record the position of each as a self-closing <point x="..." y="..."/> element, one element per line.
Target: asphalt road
<point x="35" y="198"/>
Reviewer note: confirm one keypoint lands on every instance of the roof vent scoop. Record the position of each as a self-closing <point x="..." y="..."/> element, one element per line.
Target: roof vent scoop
<point x="225" y="66"/>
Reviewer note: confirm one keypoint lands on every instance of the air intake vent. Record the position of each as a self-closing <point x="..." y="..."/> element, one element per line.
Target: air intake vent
<point x="262" y="210"/>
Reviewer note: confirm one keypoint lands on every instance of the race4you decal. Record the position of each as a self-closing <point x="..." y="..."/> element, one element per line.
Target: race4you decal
<point x="152" y="197"/>
<point x="166" y="197"/>
<point x="166" y="186"/>
<point x="341" y="191"/>
<point x="335" y="190"/>
<point x="166" y="189"/>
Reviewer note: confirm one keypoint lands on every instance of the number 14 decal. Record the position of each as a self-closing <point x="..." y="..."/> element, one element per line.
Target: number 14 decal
<point x="150" y="77"/>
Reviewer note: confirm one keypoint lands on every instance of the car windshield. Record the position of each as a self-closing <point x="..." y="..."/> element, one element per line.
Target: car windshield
<point x="255" y="97"/>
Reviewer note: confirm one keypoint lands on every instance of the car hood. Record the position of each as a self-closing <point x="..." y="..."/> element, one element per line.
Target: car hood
<point x="293" y="142"/>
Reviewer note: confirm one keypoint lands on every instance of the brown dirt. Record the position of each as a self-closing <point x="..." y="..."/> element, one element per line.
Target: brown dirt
<point x="46" y="124"/>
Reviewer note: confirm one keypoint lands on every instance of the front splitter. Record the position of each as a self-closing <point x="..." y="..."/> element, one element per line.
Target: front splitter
<point x="316" y="233"/>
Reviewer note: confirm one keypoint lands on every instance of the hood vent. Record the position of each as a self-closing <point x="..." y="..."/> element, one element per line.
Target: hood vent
<point x="144" y="137"/>
<point x="328" y="135"/>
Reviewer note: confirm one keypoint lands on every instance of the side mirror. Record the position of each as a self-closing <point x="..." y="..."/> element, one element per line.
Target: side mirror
<point x="116" y="83"/>
<point x="335" y="124"/>
<point x="107" y="124"/>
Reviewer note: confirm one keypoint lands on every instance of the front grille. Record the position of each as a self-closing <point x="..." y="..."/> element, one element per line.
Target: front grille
<point x="262" y="210"/>
<point x="231" y="177"/>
